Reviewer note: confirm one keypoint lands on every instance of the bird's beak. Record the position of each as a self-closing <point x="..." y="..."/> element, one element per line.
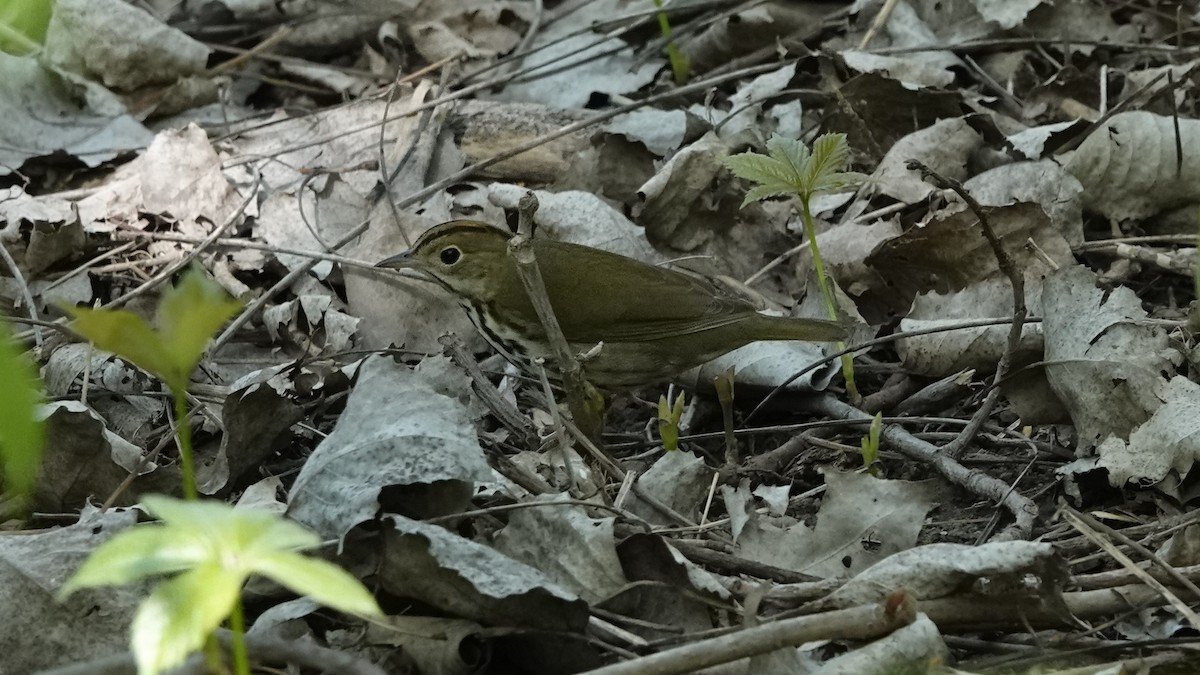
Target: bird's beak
<point x="401" y="261"/>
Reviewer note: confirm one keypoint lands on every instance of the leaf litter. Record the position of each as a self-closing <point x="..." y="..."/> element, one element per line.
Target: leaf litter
<point x="497" y="540"/>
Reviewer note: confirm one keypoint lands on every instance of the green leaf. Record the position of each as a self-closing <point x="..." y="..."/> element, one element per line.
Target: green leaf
<point x="760" y="168"/>
<point x="791" y="168"/>
<point x="136" y="553"/>
<point x="180" y="615"/>
<point x="870" y="442"/>
<point x="238" y="532"/>
<point x="22" y="433"/>
<point x="763" y="191"/>
<point x="320" y="580"/>
<point x="793" y="154"/>
<point x="127" y="335"/>
<point x="23" y="25"/>
<point x="668" y="421"/>
<point x="190" y="314"/>
<point x="829" y="157"/>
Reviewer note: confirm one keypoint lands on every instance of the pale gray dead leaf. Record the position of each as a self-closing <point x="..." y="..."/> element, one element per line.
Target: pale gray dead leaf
<point x="672" y="202"/>
<point x="678" y="479"/>
<point x="263" y="495"/>
<point x="574" y="550"/>
<point x="396" y="431"/>
<point x="1031" y="142"/>
<point x="310" y="221"/>
<point x="661" y="131"/>
<point x="741" y="120"/>
<point x="591" y="70"/>
<point x="18" y="208"/>
<point x="862" y="520"/>
<point x="466" y="579"/>
<point x="1005" y="13"/>
<point x="1129" y="168"/>
<point x="940" y="354"/>
<point x="923" y="23"/>
<point x="738" y="505"/>
<point x="119" y="44"/>
<point x="775" y="497"/>
<point x="845" y="247"/>
<point x="1044" y="183"/>
<point x="912" y="71"/>
<point x="1105" y="364"/>
<point x="1170" y="439"/>
<point x="937" y="571"/>
<point x="179" y="176"/>
<point x="63" y="372"/>
<point x="344" y="139"/>
<point x="41" y="117"/>
<point x="1081" y="21"/>
<point x="581" y="218"/>
<point x="92" y="623"/>
<point x="943" y="147"/>
<point x="767" y="364"/>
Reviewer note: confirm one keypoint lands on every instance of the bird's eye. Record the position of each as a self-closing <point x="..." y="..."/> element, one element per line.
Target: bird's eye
<point x="450" y="255"/>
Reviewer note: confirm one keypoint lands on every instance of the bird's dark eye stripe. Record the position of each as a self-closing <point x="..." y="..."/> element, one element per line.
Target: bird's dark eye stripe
<point x="450" y="255"/>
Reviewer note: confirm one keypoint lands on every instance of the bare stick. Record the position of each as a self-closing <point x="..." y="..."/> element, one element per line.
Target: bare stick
<point x="1015" y="278"/>
<point x="857" y="623"/>
<point x="520" y="247"/>
<point x="976" y="482"/>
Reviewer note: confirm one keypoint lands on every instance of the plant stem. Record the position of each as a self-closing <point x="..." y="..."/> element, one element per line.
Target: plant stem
<point x="237" y="630"/>
<point x="183" y="431"/>
<point x="679" y="64"/>
<point x="827" y="294"/>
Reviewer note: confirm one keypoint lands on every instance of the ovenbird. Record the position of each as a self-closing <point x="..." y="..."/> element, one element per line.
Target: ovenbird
<point x="653" y="322"/>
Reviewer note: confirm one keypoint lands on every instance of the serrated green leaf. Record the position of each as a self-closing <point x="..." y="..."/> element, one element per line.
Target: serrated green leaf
<point x="318" y="579"/>
<point x="791" y="153"/>
<point x="187" y="317"/>
<point x="285" y="535"/>
<point x="136" y="553"/>
<point x="829" y="156"/>
<point x="128" y="336"/>
<point x="759" y="168"/>
<point x="190" y="314"/>
<point x="22" y="434"/>
<point x="231" y="531"/>
<point x="764" y="191"/>
<point x="180" y="615"/>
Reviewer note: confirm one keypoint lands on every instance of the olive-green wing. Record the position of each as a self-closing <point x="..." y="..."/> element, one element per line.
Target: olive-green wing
<point x="615" y="298"/>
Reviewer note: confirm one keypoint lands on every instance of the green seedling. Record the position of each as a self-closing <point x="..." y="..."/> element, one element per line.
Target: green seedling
<point x="187" y="317"/>
<point x="669" y="416"/>
<point x="210" y="549"/>
<point x="680" y="63"/>
<point x="870" y="445"/>
<point x="723" y="383"/>
<point x="22" y="434"/>
<point x="791" y="168"/>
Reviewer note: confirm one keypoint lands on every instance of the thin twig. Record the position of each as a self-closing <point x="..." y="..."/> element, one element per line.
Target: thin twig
<point x="520" y="248"/>
<point x="25" y="293"/>
<point x="1017" y="280"/>
<point x="1074" y="517"/>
